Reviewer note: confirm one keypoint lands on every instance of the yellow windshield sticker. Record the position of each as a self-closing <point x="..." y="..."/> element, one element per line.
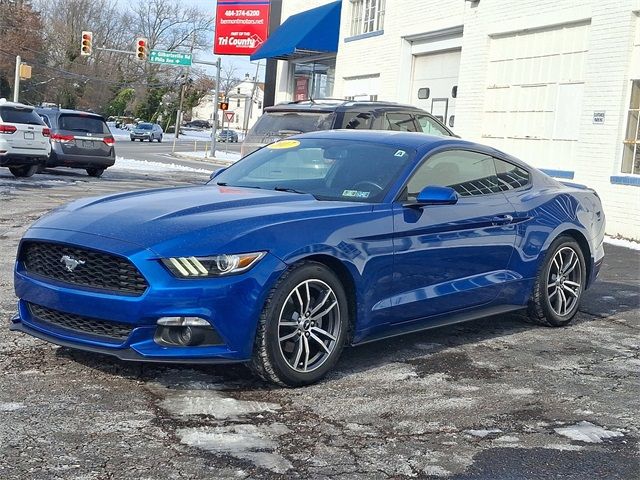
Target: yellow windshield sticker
<point x="282" y="144"/>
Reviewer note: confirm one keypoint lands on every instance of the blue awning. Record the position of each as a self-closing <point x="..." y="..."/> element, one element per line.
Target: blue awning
<point x="312" y="32"/>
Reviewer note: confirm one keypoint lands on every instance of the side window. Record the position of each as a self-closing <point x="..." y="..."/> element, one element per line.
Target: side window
<point x="510" y="176"/>
<point x="468" y="173"/>
<point x="46" y="120"/>
<point x="430" y="126"/>
<point x="400" y="122"/>
<point x="356" y="120"/>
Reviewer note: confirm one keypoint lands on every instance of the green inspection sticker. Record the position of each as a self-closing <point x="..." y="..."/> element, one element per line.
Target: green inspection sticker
<point x="355" y="194"/>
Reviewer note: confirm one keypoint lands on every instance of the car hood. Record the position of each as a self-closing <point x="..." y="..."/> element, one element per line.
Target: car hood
<point x="206" y="219"/>
<point x="139" y="130"/>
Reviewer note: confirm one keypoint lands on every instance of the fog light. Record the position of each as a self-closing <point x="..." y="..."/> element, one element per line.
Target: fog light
<point x="182" y="322"/>
<point x="185" y="332"/>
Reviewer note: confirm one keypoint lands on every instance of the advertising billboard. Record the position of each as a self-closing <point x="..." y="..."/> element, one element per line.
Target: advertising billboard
<point x="242" y="26"/>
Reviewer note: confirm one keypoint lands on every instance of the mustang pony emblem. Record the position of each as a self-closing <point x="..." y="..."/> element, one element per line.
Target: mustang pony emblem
<point x="71" y="263"/>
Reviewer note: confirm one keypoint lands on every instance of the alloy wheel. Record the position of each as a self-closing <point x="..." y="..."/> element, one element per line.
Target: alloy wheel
<point x="564" y="281"/>
<point x="309" y="325"/>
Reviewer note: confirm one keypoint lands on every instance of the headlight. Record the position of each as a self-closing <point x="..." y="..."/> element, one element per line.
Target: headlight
<point x="217" y="266"/>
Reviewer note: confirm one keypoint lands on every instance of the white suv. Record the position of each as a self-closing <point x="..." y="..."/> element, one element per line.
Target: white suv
<point x="24" y="139"/>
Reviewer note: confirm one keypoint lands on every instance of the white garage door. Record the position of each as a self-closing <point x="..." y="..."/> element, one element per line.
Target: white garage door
<point x="435" y="83"/>
<point x="533" y="101"/>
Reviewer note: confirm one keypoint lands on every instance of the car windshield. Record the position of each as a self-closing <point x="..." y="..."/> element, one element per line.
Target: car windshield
<point x="83" y="123"/>
<point x="328" y="169"/>
<point x="144" y="126"/>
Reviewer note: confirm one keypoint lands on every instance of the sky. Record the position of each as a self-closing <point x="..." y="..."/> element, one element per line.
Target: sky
<point x="242" y="63"/>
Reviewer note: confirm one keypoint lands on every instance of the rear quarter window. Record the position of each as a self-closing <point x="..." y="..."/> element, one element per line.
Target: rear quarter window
<point x="83" y="123"/>
<point x="20" y="115"/>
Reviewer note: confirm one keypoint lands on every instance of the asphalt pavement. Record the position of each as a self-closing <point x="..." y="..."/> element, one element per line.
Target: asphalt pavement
<point x="498" y="398"/>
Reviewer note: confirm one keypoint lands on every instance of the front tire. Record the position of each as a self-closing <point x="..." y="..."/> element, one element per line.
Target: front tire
<point x="560" y="284"/>
<point x="302" y="328"/>
<point x="24" y="171"/>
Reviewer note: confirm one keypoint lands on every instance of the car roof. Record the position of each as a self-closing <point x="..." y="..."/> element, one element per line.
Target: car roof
<point x="6" y="103"/>
<point x="331" y="105"/>
<point x="421" y="142"/>
<point x="59" y="111"/>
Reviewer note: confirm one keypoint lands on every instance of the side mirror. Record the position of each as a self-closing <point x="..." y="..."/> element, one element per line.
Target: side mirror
<point x="216" y="173"/>
<point x="435" y="195"/>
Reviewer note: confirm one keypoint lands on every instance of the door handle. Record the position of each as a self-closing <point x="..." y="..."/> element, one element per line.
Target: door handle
<point x="502" y="220"/>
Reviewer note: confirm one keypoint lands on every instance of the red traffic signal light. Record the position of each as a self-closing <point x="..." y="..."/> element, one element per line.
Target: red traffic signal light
<point x="87" y="43"/>
<point x="141" y="49"/>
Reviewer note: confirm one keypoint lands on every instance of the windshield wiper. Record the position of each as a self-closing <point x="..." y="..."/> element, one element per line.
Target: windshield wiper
<point x="291" y="190"/>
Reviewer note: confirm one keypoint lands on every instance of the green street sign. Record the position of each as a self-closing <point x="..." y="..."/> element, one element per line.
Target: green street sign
<point x="170" y="58"/>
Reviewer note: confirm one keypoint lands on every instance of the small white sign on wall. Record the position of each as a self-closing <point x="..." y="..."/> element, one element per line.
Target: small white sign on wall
<point x="598" y="118"/>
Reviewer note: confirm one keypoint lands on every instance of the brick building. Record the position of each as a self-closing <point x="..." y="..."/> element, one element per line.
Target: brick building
<point x="554" y="82"/>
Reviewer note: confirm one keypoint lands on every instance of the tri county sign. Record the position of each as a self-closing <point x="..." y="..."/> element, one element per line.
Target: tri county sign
<point x="242" y="26"/>
<point x="170" y="58"/>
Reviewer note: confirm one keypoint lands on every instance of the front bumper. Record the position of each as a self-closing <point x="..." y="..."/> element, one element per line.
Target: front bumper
<point x="232" y="305"/>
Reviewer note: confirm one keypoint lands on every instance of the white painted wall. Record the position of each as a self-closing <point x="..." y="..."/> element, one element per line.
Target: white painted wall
<point x="532" y="73"/>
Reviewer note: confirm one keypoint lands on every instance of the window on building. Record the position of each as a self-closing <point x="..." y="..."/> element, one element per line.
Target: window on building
<point x="631" y="150"/>
<point x="366" y="16"/>
<point x="238" y="103"/>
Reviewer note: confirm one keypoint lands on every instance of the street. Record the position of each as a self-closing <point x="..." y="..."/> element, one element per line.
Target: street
<point x="493" y="399"/>
<point x="161" y="152"/>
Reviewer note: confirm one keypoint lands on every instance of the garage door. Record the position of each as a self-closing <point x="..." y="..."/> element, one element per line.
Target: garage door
<point x="435" y="84"/>
<point x="533" y="101"/>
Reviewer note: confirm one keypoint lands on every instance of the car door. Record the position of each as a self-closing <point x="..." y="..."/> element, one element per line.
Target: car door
<point x="451" y="257"/>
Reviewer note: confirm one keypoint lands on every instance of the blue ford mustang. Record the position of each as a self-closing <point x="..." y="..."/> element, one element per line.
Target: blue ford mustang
<point x="308" y="244"/>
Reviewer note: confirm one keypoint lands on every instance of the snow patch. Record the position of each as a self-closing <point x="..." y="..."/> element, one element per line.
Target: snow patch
<point x="483" y="432"/>
<point x="211" y="402"/>
<point x="587" y="432"/>
<point x="621" y="242"/>
<point x="562" y="447"/>
<point x="436" y="471"/>
<point x="10" y="406"/>
<point x="145" y="166"/>
<point x="248" y="442"/>
<point x="507" y="439"/>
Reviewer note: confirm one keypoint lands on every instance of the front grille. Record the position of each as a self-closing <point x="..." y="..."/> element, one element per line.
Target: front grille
<point x="78" y="323"/>
<point x="93" y="269"/>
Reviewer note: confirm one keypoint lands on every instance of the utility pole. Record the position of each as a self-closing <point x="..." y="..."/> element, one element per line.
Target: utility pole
<point x="245" y="127"/>
<point x="179" y="113"/>
<point x="216" y="101"/>
<point x="16" y="82"/>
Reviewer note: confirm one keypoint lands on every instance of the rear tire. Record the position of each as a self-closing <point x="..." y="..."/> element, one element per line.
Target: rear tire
<point x="95" y="172"/>
<point x="160" y="139"/>
<point x="561" y="280"/>
<point x="24" y="171"/>
<point x="302" y="328"/>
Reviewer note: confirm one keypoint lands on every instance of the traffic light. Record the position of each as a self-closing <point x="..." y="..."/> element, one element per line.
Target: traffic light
<point x="141" y="49"/>
<point x="224" y="106"/>
<point x="87" y="44"/>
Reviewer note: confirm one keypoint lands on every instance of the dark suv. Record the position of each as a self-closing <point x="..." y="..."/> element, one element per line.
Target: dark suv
<point x="79" y="140"/>
<point x="286" y="119"/>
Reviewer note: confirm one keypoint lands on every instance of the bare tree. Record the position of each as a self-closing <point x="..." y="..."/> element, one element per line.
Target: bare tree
<point x="229" y="78"/>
